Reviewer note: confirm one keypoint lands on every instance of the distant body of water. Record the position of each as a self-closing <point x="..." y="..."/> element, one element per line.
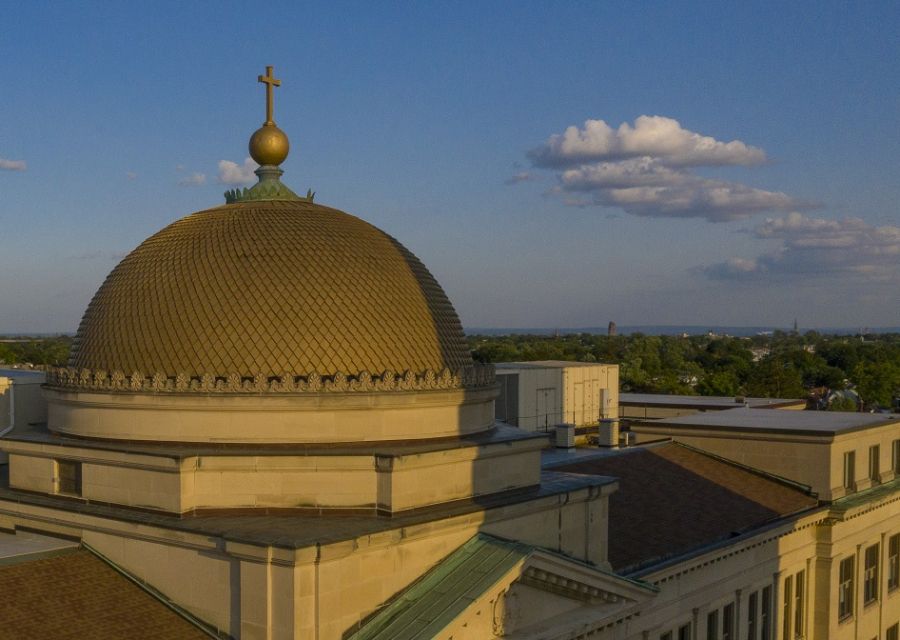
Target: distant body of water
<point x="673" y="330"/>
<point x="622" y="329"/>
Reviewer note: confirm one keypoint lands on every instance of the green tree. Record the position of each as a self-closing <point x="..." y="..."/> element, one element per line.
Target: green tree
<point x="719" y="383"/>
<point x="774" y="377"/>
<point x="843" y="404"/>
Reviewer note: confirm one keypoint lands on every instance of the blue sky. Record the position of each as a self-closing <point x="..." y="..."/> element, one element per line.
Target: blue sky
<point x="745" y="171"/>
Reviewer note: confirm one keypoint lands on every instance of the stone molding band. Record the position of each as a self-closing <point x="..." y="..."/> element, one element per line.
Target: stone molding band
<point x="99" y="380"/>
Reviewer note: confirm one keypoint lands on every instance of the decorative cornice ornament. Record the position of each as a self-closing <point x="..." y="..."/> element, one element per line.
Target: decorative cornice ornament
<point x="477" y="376"/>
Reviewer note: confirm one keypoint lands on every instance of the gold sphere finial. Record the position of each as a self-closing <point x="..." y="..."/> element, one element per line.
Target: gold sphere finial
<point x="269" y="145"/>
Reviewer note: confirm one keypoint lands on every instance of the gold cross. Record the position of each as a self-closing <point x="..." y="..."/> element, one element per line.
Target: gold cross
<point x="270" y="81"/>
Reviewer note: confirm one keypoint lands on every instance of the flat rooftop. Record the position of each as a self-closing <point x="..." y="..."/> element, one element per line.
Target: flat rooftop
<point x="704" y="402"/>
<point x="827" y="423"/>
<point x="29" y="375"/>
<point x="24" y="546"/>
<point x="547" y="364"/>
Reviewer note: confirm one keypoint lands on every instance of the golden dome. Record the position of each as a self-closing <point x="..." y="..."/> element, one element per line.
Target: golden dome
<point x="269" y="145"/>
<point x="266" y="288"/>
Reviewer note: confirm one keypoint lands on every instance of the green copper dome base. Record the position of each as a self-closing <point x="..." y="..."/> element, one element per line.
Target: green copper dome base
<point x="269" y="187"/>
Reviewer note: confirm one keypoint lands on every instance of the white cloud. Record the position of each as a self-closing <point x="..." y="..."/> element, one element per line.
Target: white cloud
<point x="235" y="174"/>
<point x="654" y="136"/>
<point x="193" y="180"/>
<point x="13" y="165"/>
<point x="644" y="170"/>
<point x="636" y="172"/>
<point x="647" y="187"/>
<point x="812" y="247"/>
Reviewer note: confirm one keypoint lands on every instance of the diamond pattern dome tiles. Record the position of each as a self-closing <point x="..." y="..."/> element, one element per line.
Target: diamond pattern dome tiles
<point x="270" y="288"/>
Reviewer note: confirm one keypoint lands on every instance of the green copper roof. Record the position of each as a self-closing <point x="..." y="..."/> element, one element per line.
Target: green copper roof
<point x="871" y="496"/>
<point x="269" y="187"/>
<point x="442" y="594"/>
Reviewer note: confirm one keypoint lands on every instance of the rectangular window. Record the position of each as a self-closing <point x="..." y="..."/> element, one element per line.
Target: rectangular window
<point x="666" y="636"/>
<point x="728" y="622"/>
<point x="786" y="618"/>
<point x="893" y="580"/>
<point x="712" y="625"/>
<point x="765" y="614"/>
<point x="69" y="477"/>
<point x="799" y="594"/>
<point x="850" y="471"/>
<point x="752" y="615"/>
<point x="845" y="589"/>
<point x="870" y="577"/>
<point x="684" y="632"/>
<point x="874" y="470"/>
<point x="895" y="457"/>
<point x="893" y="632"/>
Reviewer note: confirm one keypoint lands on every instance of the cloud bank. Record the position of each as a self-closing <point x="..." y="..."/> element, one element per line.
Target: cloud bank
<point x="652" y="136"/>
<point x="193" y="180"/>
<point x="12" y="165"/>
<point x="234" y="174"/>
<point x="644" y="170"/>
<point x="813" y="247"/>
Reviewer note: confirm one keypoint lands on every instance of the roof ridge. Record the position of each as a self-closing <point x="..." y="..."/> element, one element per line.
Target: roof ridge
<point x="394" y="616"/>
<point x="202" y="625"/>
<point x="792" y="484"/>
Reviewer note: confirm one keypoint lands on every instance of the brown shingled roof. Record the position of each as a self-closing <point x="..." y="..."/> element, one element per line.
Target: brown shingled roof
<point x="673" y="499"/>
<point x="79" y="596"/>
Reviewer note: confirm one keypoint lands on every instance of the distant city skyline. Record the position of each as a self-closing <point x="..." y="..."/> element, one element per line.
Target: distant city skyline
<point x="554" y="165"/>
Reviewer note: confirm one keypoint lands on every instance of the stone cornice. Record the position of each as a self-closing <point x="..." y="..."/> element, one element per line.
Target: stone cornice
<point x="568" y="587"/>
<point x="138" y="382"/>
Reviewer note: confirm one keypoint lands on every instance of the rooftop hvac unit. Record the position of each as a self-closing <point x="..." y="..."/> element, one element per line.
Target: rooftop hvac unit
<point x="608" y="433"/>
<point x="565" y="436"/>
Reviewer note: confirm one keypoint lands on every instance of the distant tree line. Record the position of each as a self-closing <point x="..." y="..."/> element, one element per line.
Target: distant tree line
<point x="779" y="365"/>
<point x="39" y="352"/>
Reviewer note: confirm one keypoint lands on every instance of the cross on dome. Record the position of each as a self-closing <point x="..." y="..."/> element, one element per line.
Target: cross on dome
<point x="270" y="81"/>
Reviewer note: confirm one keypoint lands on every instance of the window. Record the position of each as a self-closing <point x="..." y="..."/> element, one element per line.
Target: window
<point x="666" y="636"/>
<point x="765" y="614"/>
<point x="786" y="618"/>
<point x="684" y="632"/>
<point x="752" y="616"/>
<point x="874" y="471"/>
<point x="728" y="622"/>
<point x="895" y="457"/>
<point x="799" y="592"/>
<point x="69" y="477"/>
<point x="893" y="633"/>
<point x="870" y="577"/>
<point x="712" y="625"/>
<point x="845" y="589"/>
<point x="893" y="580"/>
<point x="850" y="470"/>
